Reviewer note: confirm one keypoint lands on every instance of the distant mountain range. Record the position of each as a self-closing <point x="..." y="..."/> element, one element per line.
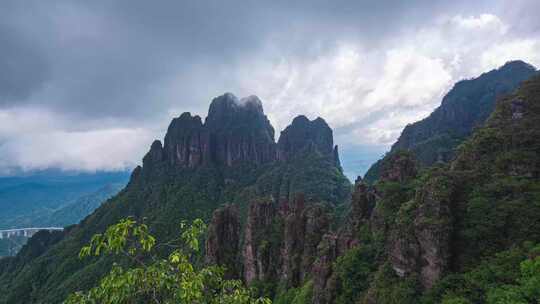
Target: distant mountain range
<point x="30" y="199"/>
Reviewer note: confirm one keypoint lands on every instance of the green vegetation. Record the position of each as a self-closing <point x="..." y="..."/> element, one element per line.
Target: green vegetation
<point x="511" y="276"/>
<point x="155" y="280"/>
<point x="355" y="270"/>
<point x="313" y="174"/>
<point x="388" y="288"/>
<point x="301" y="295"/>
<point x="162" y="198"/>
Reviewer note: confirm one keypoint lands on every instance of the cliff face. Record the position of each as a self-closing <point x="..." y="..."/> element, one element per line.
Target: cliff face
<point x="280" y="242"/>
<point x="303" y="229"/>
<point x="468" y="104"/>
<point x="335" y="244"/>
<point x="223" y="241"/>
<point x="420" y="241"/>
<point x="187" y="142"/>
<point x="262" y="242"/>
<point x="370" y="216"/>
<point x="237" y="131"/>
<point x="303" y="136"/>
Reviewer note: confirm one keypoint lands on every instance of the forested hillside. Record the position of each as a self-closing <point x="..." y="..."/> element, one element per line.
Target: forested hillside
<point x="468" y="104"/>
<point x="230" y="158"/>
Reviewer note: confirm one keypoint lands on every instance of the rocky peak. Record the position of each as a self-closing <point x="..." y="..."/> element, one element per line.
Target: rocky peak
<point x="362" y="201"/>
<point x="466" y="106"/>
<point x="239" y="130"/>
<point x="252" y="103"/>
<point x="155" y="155"/>
<point x="187" y="143"/>
<point x="304" y="135"/>
<point x="227" y="111"/>
<point x="517" y="66"/>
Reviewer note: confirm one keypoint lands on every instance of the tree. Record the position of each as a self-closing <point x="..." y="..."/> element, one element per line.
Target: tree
<point x="528" y="288"/>
<point x="154" y="280"/>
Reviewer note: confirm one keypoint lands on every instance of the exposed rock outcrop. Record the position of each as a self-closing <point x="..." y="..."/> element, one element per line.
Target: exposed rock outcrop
<point x="187" y="142"/>
<point x="399" y="167"/>
<point x="262" y="241"/>
<point x="223" y="240"/>
<point x="239" y="130"/>
<point x="304" y="135"/>
<point x="420" y="242"/>
<point x="333" y="245"/>
<point x="324" y="281"/>
<point x="280" y="244"/>
<point x="304" y="227"/>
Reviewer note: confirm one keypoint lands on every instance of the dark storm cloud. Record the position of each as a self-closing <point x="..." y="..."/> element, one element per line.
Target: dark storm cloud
<point x="110" y="58"/>
<point x="22" y="67"/>
<point x="103" y="73"/>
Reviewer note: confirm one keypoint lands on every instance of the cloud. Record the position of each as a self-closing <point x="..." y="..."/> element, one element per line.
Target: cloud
<point x="480" y="22"/>
<point x="97" y="73"/>
<point x="23" y="68"/>
<point x="37" y="140"/>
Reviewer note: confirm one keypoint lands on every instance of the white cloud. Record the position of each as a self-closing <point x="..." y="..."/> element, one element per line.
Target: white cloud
<point x="36" y="139"/>
<point x="526" y="50"/>
<point x="369" y="94"/>
<point x="481" y="22"/>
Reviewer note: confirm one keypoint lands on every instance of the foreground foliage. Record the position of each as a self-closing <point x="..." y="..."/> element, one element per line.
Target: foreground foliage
<point x="153" y="280"/>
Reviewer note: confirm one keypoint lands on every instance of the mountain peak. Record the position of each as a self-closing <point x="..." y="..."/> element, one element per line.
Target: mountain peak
<point x="305" y="135"/>
<point x="517" y="64"/>
<point x="228" y="103"/>
<point x="235" y="131"/>
<point x="227" y="109"/>
<point x="465" y="107"/>
<point x="252" y="102"/>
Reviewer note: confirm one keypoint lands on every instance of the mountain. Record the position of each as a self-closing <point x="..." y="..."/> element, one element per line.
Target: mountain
<point x="27" y="198"/>
<point x="466" y="106"/>
<point x="75" y="211"/>
<point x="230" y="159"/>
<point x="456" y="232"/>
<point x="51" y="198"/>
<point x="462" y="231"/>
<point x="467" y="231"/>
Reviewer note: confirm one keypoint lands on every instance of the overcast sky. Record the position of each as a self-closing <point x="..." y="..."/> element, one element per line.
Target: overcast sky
<point x="87" y="85"/>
